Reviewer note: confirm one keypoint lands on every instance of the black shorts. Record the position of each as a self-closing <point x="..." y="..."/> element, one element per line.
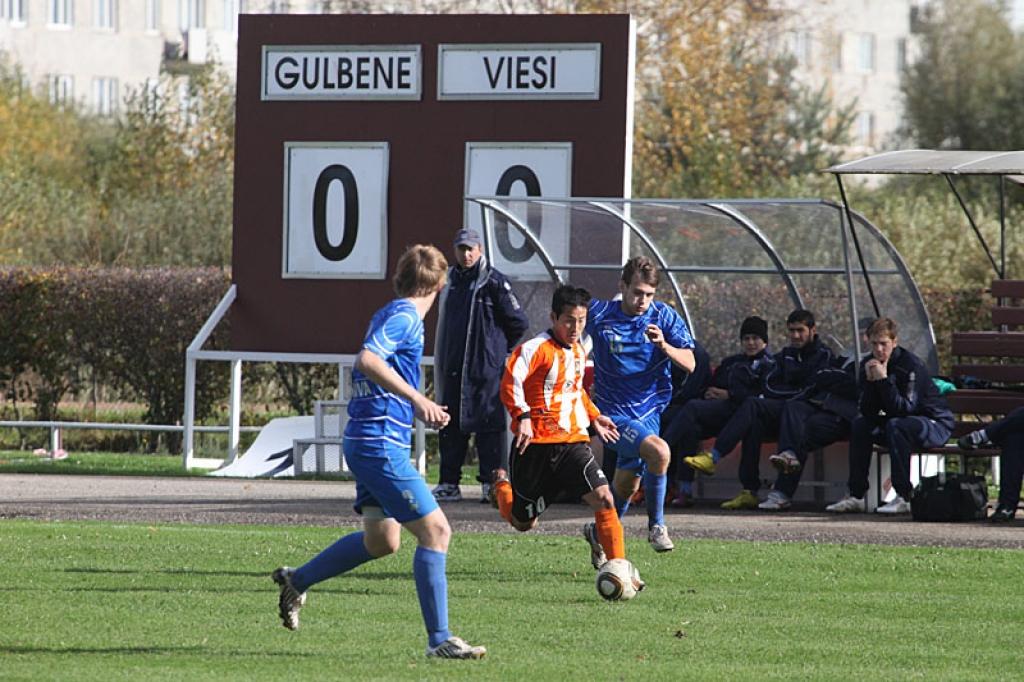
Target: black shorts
<point x="547" y="469"/>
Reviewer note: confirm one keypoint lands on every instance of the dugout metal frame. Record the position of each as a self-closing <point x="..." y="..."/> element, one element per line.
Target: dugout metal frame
<point x="848" y="224"/>
<point x="852" y="230"/>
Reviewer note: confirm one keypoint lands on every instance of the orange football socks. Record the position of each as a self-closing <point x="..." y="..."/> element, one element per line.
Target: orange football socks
<point x="609" y="533"/>
<point x="503" y="493"/>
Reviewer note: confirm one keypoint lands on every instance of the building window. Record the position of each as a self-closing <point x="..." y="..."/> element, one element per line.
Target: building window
<point x="866" y="52"/>
<point x="62" y="90"/>
<point x="901" y="54"/>
<point x="191" y="14"/>
<point x="800" y="47"/>
<point x="280" y="7"/>
<point x="232" y="8"/>
<point x="866" y="128"/>
<point x="152" y="15"/>
<point x="837" y="54"/>
<point x="62" y="12"/>
<point x="16" y="11"/>
<point x="104" y="96"/>
<point x="106" y="13"/>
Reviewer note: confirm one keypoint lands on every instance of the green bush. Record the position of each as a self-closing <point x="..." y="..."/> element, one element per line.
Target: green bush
<point x="128" y="328"/>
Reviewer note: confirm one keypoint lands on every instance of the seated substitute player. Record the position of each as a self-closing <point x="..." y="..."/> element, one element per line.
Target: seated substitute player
<point x="738" y="377"/>
<point x="1007" y="433"/>
<point x="900" y="407"/>
<point x="635" y="342"/>
<point x="390" y="493"/>
<point x="757" y="419"/>
<point x="542" y="388"/>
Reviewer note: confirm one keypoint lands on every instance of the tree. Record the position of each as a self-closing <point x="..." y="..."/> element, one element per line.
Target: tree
<point x="719" y="111"/>
<point x="966" y="89"/>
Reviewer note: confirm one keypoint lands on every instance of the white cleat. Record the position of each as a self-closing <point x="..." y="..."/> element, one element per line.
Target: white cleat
<point x="455" y="647"/>
<point x="597" y="555"/>
<point x="659" y="539"/>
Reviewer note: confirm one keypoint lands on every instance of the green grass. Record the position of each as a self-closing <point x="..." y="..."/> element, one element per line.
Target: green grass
<point x="98" y="601"/>
<point x="95" y="463"/>
<point x="132" y="464"/>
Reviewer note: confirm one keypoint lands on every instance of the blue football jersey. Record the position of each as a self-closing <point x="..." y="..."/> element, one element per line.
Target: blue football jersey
<point x="395" y="335"/>
<point x="632" y="376"/>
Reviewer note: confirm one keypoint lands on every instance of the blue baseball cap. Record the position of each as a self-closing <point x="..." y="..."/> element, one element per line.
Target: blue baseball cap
<point x="468" y="238"/>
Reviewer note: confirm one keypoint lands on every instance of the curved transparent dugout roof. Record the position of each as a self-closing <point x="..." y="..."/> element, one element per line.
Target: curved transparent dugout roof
<point x="724" y="260"/>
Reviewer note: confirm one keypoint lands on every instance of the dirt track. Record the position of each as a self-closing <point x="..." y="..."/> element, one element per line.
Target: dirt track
<point x="235" y="501"/>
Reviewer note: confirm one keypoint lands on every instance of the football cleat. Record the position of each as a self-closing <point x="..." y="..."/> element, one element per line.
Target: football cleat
<point x="455" y="647"/>
<point x="597" y="555"/>
<point x="291" y="600"/>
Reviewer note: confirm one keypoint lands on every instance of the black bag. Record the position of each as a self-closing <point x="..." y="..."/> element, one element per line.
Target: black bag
<point x="950" y="497"/>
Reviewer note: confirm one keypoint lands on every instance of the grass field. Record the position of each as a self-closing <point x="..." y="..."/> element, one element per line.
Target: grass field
<point x="99" y="601"/>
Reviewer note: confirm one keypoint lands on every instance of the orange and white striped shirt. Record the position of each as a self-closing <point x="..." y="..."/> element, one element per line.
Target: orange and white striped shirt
<point x="545" y="379"/>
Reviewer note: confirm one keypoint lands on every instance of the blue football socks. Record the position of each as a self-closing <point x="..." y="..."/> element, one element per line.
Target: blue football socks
<point x="715" y="455"/>
<point x="654" y="498"/>
<point x="686" y="487"/>
<point x="342" y="556"/>
<point x="428" y="568"/>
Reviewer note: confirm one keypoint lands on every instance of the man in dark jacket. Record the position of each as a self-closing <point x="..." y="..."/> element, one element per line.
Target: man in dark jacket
<point x="901" y="408"/>
<point x="479" y="322"/>
<point x="757" y="418"/>
<point x="685" y="423"/>
<point x="814" y="420"/>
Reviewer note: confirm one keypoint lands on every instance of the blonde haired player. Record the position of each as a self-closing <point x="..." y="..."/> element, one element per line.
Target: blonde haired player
<point x="390" y="493"/>
<point x="543" y="391"/>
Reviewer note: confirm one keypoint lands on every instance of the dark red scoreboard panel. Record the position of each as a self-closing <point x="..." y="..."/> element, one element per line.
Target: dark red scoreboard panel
<point x="411" y="148"/>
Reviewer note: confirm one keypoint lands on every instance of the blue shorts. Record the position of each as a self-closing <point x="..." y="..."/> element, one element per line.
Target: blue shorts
<point x="632" y="433"/>
<point x="386" y="478"/>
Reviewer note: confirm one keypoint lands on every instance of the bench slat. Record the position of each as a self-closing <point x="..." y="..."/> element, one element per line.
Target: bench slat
<point x="1008" y="316"/>
<point x="989" y="344"/>
<point x="1008" y="288"/>
<point x="1007" y="374"/>
<point x="984" y="401"/>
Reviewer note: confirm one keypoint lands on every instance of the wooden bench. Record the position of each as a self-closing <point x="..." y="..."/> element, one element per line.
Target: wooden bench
<point x="993" y="358"/>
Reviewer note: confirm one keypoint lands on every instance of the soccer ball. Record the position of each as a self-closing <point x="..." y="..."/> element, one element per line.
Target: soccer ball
<point x="618" y="580"/>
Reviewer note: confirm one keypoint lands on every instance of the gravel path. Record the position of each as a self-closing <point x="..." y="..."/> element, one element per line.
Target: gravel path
<point x="314" y="503"/>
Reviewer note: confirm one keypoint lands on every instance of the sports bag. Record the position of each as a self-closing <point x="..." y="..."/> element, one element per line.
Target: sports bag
<point x="950" y="497"/>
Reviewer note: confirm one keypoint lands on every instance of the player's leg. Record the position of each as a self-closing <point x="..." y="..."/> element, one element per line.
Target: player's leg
<point x="519" y="492"/>
<point x="429" y="568"/>
<point x="793" y="425"/>
<point x="821" y="430"/>
<point x="655" y="453"/>
<point x="643" y="453"/>
<point x="605" y="535"/>
<point x="379" y="537"/>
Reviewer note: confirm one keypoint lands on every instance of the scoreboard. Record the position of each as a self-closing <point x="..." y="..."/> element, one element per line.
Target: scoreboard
<point x="357" y="135"/>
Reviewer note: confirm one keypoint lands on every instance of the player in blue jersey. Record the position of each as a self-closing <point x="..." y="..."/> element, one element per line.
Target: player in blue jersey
<point x="635" y="341"/>
<point x="390" y="493"/>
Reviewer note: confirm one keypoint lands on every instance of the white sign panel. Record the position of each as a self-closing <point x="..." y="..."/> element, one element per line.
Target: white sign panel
<point x="349" y="72"/>
<point x="535" y="71"/>
<point x="335" y="210"/>
<point x="522" y="169"/>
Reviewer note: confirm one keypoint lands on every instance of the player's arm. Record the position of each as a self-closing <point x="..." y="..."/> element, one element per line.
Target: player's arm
<point x="513" y="396"/>
<point x="674" y="340"/>
<point x="377" y="370"/>
<point x="680" y="357"/>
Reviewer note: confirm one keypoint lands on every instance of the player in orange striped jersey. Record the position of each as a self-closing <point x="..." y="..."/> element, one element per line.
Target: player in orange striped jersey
<point x="542" y="388"/>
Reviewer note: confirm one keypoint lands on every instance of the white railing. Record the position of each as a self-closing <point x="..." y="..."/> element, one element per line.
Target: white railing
<point x="194" y="353"/>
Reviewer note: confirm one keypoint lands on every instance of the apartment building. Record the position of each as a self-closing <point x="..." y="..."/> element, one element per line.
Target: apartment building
<point x="856" y="50"/>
